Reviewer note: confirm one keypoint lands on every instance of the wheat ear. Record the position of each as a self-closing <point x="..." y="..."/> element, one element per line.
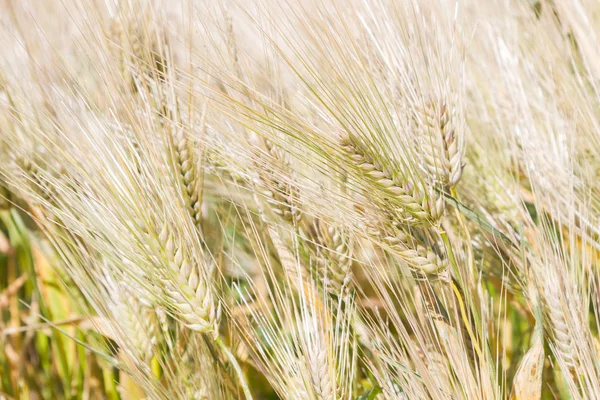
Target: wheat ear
<point x="281" y="195"/>
<point x="320" y="371"/>
<point x="420" y="256"/>
<point x="139" y="322"/>
<point x="332" y="250"/>
<point x="190" y="293"/>
<point x="561" y="337"/>
<point x="137" y="51"/>
<point x="414" y="203"/>
<point x="187" y="287"/>
<point x="527" y="383"/>
<point x="34" y="176"/>
<point x="281" y="198"/>
<point x="444" y="143"/>
<point x="188" y="171"/>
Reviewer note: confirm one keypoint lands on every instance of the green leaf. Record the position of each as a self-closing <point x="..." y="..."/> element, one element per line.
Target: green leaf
<point x="478" y="219"/>
<point x="370" y="394"/>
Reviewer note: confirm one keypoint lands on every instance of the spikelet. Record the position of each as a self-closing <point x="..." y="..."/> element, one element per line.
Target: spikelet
<point x="410" y="201"/>
<point x="322" y="357"/>
<point x="281" y="197"/>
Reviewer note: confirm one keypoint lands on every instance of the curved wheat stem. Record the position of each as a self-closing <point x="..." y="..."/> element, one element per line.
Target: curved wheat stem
<point x="236" y="367"/>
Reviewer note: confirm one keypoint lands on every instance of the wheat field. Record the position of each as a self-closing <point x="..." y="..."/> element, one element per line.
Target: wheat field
<point x="299" y="199"/>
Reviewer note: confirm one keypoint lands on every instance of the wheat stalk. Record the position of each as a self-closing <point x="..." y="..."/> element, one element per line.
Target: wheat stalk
<point x="4" y="197"/>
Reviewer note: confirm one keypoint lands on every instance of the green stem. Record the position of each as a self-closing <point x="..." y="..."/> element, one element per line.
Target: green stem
<point x="374" y="392"/>
<point x="451" y="257"/>
<point x="236" y="366"/>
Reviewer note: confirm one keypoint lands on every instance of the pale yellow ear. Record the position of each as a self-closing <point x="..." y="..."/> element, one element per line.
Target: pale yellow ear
<point x="527" y="383"/>
<point x="130" y="389"/>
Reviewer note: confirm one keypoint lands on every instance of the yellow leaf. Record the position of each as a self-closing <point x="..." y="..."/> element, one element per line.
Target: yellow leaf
<point x="527" y="384"/>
